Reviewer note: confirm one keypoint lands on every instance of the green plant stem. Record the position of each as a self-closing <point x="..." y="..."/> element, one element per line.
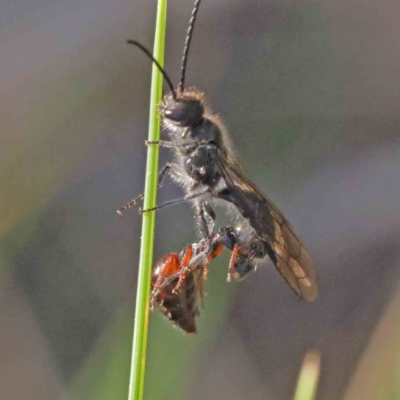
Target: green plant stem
<point x="309" y="375"/>
<point x="136" y="382"/>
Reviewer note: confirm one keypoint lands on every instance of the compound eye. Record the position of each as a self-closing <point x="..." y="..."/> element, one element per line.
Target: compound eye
<point x="176" y="112"/>
<point x="227" y="237"/>
<point x="185" y="112"/>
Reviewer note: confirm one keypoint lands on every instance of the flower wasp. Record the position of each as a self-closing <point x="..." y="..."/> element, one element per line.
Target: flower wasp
<point x="175" y="286"/>
<point x="205" y="167"/>
<point x="177" y="299"/>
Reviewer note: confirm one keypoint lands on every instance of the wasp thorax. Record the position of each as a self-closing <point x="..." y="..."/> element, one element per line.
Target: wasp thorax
<point x="244" y="237"/>
<point x="183" y="111"/>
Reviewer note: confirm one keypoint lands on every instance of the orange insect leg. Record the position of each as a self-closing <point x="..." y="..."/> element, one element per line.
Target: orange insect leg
<point x="184" y="263"/>
<point x="234" y="255"/>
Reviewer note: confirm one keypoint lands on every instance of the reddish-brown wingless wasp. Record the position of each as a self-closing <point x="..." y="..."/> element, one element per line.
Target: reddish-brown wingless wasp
<point x="175" y="287"/>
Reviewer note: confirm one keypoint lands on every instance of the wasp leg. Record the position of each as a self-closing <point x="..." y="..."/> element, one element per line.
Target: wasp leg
<point x="231" y="267"/>
<point x="175" y="201"/>
<point x="183" y="273"/>
<point x="206" y="224"/>
<point x="206" y="247"/>
<point x="162" y="143"/>
<point x="161" y="175"/>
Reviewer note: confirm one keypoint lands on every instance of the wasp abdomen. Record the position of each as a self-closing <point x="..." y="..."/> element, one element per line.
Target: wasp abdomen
<point x="180" y="307"/>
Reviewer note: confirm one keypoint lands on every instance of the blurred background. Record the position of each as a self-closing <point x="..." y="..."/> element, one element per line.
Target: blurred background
<point x="310" y="92"/>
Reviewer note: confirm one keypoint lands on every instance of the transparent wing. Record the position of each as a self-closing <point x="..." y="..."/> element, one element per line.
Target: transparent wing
<point x="292" y="258"/>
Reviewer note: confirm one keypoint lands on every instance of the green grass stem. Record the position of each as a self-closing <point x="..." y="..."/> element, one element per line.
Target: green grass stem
<point x="136" y="382"/>
<point x="309" y="376"/>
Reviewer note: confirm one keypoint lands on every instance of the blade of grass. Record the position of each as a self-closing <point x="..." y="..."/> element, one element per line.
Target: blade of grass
<point x="309" y="376"/>
<point x="146" y="250"/>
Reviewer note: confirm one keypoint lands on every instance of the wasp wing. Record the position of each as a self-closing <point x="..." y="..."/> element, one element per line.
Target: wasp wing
<point x="292" y="259"/>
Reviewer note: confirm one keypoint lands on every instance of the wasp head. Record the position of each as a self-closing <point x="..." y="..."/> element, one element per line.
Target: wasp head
<point x="245" y="248"/>
<point x="184" y="110"/>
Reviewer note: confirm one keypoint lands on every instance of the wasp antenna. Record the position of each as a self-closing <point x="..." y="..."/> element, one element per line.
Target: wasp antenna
<point x="187" y="45"/>
<point x="162" y="70"/>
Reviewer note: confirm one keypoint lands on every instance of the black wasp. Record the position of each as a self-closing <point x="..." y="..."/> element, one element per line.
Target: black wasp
<point x="205" y="166"/>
